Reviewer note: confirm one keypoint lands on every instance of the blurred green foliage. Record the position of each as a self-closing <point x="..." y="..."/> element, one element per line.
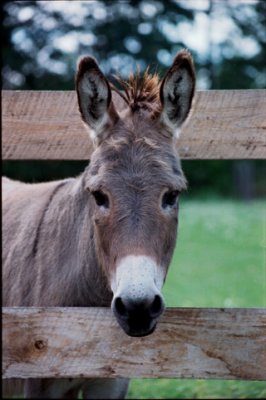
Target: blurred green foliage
<point x="41" y="41"/>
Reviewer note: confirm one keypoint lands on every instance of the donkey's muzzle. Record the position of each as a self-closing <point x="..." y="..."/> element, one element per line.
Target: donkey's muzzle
<point x="138" y="317"/>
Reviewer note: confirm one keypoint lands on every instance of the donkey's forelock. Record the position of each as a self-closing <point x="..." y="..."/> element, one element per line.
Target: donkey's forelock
<point x="140" y="92"/>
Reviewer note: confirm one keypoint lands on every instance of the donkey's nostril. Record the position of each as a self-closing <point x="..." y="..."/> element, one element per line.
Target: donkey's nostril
<point x="120" y="307"/>
<point x="157" y="306"/>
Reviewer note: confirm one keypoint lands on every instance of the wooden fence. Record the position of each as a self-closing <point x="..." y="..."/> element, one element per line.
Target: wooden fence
<point x="87" y="342"/>
<point x="225" y="124"/>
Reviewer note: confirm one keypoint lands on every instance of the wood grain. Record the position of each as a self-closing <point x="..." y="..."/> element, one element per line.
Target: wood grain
<point x="87" y="342"/>
<point x="225" y="124"/>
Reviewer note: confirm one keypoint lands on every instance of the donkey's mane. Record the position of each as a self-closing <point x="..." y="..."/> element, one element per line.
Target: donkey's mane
<point x="139" y="91"/>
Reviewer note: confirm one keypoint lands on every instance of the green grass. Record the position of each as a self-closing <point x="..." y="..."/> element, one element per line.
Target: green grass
<point x="195" y="389"/>
<point x="219" y="261"/>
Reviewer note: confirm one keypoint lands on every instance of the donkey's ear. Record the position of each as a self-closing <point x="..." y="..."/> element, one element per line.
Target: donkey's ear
<point x="94" y="98"/>
<point x="176" y="92"/>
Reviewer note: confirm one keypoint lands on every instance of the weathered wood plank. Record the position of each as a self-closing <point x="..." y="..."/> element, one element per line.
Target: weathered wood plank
<point x="225" y="124"/>
<point x="87" y="342"/>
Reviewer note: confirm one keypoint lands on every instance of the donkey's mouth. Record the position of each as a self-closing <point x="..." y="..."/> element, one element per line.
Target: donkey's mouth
<point x="138" y="324"/>
<point x="140" y="333"/>
<point x="135" y="330"/>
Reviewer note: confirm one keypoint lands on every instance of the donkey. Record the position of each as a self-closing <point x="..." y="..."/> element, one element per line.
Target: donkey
<point x="106" y="237"/>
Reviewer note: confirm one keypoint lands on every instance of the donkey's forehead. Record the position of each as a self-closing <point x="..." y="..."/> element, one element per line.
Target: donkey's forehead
<point x="123" y="152"/>
<point x="144" y="157"/>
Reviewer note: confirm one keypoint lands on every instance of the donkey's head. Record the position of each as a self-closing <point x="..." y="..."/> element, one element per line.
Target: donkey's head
<point x="134" y="180"/>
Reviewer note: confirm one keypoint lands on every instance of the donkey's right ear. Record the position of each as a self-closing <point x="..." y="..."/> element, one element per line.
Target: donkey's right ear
<point x="177" y="91"/>
<point x="94" y="99"/>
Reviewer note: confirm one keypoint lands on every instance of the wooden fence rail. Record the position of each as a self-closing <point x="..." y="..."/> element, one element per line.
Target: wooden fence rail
<point x="87" y="342"/>
<point x="225" y="124"/>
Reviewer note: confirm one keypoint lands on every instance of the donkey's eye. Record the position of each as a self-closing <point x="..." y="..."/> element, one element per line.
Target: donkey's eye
<point x="101" y="198"/>
<point x="169" y="198"/>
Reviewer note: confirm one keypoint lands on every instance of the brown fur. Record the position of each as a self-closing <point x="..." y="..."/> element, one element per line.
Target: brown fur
<point x="140" y="92"/>
<point x="59" y="247"/>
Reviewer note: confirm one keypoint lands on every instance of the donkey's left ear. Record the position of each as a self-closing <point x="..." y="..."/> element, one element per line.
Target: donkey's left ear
<point x="94" y="99"/>
<point x="177" y="91"/>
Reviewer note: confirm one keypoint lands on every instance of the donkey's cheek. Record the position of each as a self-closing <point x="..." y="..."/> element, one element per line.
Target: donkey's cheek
<point x="103" y="240"/>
